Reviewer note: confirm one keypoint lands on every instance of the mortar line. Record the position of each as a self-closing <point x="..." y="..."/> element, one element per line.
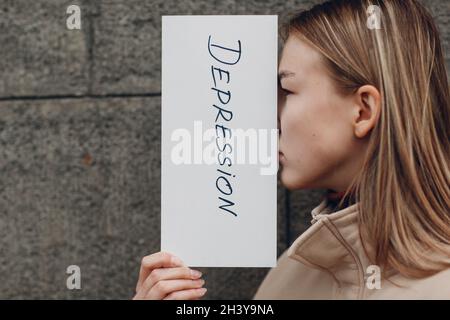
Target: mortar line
<point x="86" y="96"/>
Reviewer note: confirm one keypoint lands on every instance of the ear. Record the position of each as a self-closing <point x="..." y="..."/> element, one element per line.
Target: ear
<point x="367" y="109"/>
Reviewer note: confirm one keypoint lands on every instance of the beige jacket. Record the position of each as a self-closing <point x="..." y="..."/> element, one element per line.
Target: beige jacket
<point x="328" y="262"/>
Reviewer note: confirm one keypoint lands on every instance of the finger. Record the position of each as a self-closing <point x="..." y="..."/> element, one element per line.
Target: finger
<point x="156" y="260"/>
<point x="169" y="274"/>
<point x="190" y="294"/>
<point x="163" y="288"/>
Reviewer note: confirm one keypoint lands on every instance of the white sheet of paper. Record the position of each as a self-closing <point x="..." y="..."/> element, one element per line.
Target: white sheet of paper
<point x="212" y="218"/>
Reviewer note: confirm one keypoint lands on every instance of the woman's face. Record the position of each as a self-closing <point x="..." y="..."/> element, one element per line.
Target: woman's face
<point x="317" y="144"/>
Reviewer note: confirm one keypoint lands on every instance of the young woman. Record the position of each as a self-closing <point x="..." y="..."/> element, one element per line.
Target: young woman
<point x="364" y="111"/>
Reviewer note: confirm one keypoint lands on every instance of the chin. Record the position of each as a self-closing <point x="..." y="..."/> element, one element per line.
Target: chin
<point x="290" y="181"/>
<point x="294" y="182"/>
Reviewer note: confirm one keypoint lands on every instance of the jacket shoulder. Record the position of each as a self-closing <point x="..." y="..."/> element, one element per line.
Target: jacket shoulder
<point x="436" y="286"/>
<point x="398" y="287"/>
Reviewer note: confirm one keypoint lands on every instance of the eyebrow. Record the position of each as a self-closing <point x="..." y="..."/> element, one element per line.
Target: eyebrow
<point x="285" y="74"/>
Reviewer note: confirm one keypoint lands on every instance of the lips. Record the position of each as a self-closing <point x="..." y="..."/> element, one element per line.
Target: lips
<point x="280" y="156"/>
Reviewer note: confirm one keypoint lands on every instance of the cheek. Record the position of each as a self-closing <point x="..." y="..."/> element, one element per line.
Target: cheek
<point x="301" y="127"/>
<point x="310" y="131"/>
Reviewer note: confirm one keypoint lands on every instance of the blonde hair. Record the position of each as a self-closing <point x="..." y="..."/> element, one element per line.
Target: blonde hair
<point x="403" y="187"/>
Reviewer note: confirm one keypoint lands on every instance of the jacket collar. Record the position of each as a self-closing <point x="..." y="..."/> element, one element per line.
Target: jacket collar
<point x="333" y="244"/>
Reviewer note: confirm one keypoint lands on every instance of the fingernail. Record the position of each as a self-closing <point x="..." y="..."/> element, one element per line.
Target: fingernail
<point x="202" y="291"/>
<point x="196" y="274"/>
<point x="176" y="261"/>
<point x="202" y="282"/>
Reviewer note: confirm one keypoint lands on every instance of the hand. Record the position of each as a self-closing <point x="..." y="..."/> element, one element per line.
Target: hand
<point x="164" y="276"/>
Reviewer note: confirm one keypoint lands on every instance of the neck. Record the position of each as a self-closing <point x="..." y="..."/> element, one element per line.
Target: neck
<point x="337" y="201"/>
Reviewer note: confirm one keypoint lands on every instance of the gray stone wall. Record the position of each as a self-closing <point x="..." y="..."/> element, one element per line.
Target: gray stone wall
<point x="80" y="146"/>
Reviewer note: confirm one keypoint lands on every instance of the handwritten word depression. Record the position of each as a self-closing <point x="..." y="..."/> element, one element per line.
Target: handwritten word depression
<point x="224" y="57"/>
